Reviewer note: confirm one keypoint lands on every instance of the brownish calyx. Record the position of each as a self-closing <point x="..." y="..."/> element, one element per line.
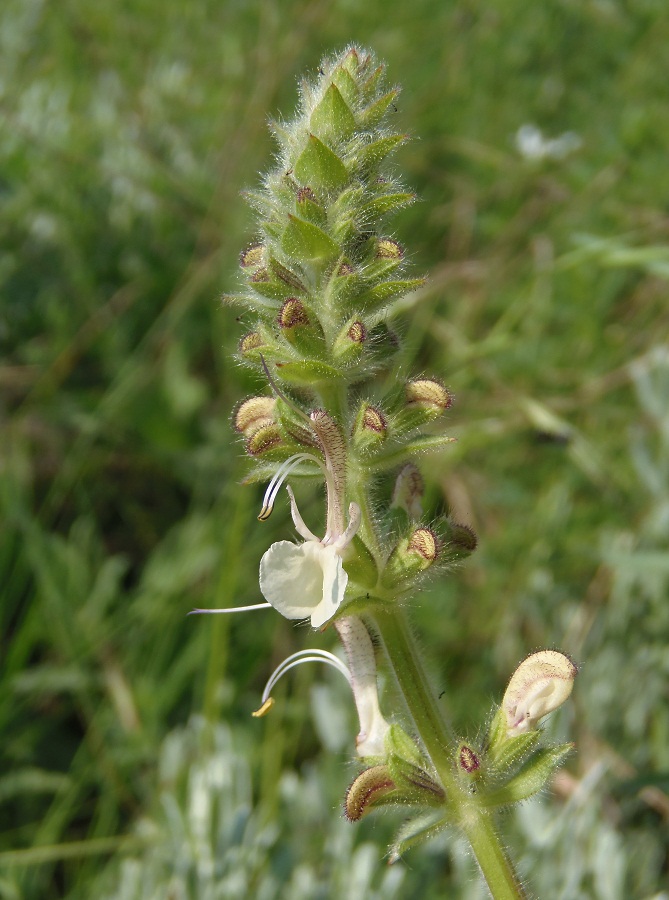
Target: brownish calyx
<point x="253" y="413"/>
<point x="357" y="332"/>
<point x="427" y="392"/>
<point x="386" y="248"/>
<point x="425" y="542"/>
<point x="370" y="786"/>
<point x="292" y="314"/>
<point x="374" y="420"/>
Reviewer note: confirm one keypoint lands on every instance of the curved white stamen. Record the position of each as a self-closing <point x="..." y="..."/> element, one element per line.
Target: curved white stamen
<point x="300" y="527"/>
<point x="232" y="609"/>
<point x="304" y="656"/>
<point x="281" y="474"/>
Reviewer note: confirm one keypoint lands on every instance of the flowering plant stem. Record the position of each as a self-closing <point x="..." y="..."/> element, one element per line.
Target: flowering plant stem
<point x="321" y="283"/>
<point x="404" y="661"/>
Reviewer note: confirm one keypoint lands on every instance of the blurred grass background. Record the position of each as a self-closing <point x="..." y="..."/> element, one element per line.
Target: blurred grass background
<point x="129" y="766"/>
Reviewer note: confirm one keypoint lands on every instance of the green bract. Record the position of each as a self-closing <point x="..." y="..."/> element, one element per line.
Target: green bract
<point x="321" y="235"/>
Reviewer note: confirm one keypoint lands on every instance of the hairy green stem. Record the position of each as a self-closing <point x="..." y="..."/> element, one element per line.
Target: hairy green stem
<point x="404" y="660"/>
<point x="497" y="870"/>
<point x="359" y="493"/>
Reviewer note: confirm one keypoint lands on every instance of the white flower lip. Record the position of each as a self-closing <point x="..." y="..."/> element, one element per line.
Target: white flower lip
<point x="540" y="684"/>
<point x="307" y="580"/>
<point x="303" y="580"/>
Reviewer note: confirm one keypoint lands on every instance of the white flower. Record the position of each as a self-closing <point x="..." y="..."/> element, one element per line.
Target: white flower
<point x="540" y="684"/>
<point x="307" y="580"/>
<point x="531" y="144"/>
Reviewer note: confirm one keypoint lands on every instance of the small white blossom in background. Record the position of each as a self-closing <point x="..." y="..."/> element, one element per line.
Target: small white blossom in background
<point x="531" y="144"/>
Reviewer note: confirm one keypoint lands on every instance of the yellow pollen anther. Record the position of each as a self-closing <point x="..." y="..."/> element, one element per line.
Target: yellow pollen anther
<point x="265" y="513"/>
<point x="264" y="709"/>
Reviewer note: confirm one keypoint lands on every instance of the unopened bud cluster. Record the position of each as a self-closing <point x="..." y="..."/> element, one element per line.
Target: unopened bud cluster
<point x="319" y="282"/>
<point x="322" y="275"/>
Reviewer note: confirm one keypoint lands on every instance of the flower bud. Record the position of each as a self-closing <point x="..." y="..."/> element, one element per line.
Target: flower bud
<point x="540" y="684"/>
<point x="252" y="257"/>
<point x="265" y="441"/>
<point x="370" y="429"/>
<point x="389" y="249"/>
<point x="425" y="543"/>
<point x="305" y="194"/>
<point x="297" y="327"/>
<point x="425" y="399"/>
<point x="251" y="345"/>
<point x="428" y="395"/>
<point x="293" y="313"/>
<point x="468" y="761"/>
<point x="408" y="491"/>
<point x="253" y="414"/>
<point x="386" y="256"/>
<point x="368" y="788"/>
<point x="333" y="445"/>
<point x="411" y="556"/>
<point x="460" y="541"/>
<point x="349" y="343"/>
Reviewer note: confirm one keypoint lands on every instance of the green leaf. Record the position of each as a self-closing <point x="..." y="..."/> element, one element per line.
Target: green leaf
<point x="398" y="743"/>
<point x="342" y="283"/>
<point x="307" y="372"/>
<point x="262" y="203"/>
<point x="254" y="301"/>
<point x="305" y="240"/>
<point x="286" y="276"/>
<point x="530" y="779"/>
<point x="387" y="290"/>
<point x="373" y="154"/>
<point x="376" y="110"/>
<point x="386" y="204"/>
<point x="373" y="82"/>
<point x="319" y="168"/>
<point x="332" y="119"/>
<point x="311" y="211"/>
<point x="504" y="752"/>
<point x="360" y="564"/>
<point x="429" y="443"/>
<point x="345" y="212"/>
<point x="283" y="135"/>
<point x="416" y="831"/>
<point x="399" y="454"/>
<point x="346" y="84"/>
